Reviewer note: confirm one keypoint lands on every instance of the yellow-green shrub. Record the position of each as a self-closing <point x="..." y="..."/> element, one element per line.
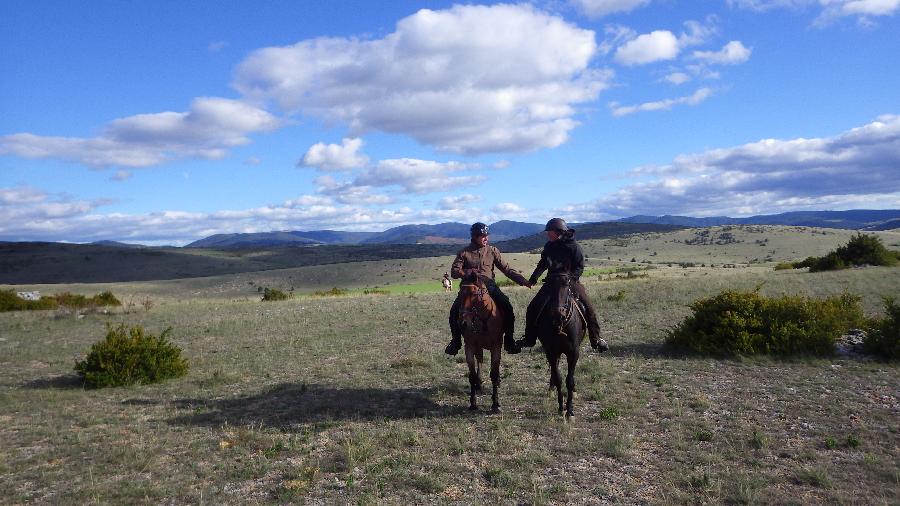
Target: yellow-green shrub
<point x="128" y="356"/>
<point x="746" y="323"/>
<point x="883" y="336"/>
<point x="9" y="301"/>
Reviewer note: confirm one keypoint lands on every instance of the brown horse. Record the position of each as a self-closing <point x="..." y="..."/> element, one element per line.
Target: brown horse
<point x="481" y="323"/>
<point x="560" y="328"/>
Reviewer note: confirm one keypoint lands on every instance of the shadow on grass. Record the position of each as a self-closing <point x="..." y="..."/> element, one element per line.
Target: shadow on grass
<point x="63" y="382"/>
<point x="288" y="404"/>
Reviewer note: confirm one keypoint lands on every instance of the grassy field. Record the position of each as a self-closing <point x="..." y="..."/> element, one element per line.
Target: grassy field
<point x="351" y="399"/>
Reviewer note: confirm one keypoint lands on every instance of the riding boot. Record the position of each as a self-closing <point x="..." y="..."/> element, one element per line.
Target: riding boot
<point x="593" y="326"/>
<point x="509" y="322"/>
<point x="534" y="307"/>
<point x="456" y="340"/>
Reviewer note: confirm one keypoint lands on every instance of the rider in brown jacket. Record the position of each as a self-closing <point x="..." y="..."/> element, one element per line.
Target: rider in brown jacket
<point x="480" y="259"/>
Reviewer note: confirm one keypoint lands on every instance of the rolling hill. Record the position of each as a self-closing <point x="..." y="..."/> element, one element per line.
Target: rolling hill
<point x="859" y="219"/>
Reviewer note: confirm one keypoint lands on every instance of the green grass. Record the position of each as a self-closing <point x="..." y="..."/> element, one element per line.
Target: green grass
<point x="350" y="399"/>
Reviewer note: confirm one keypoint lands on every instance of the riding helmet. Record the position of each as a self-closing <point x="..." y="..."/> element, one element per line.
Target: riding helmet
<point x="557" y="225"/>
<point x="478" y="229"/>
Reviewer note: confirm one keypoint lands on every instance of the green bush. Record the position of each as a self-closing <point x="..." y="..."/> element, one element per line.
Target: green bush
<point x="106" y="299"/>
<point x="860" y="250"/>
<point x="274" y="294"/>
<point x="883" y="336"/>
<point x="128" y="356"/>
<point x="745" y="323"/>
<point x="9" y="301"/>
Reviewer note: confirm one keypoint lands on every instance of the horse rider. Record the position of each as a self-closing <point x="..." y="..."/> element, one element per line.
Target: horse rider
<point x="561" y="255"/>
<point x="480" y="259"/>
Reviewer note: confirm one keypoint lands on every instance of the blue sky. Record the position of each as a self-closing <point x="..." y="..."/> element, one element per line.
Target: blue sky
<point x="164" y="122"/>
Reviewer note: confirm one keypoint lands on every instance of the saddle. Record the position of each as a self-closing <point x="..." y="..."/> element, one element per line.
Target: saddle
<point x="567" y="307"/>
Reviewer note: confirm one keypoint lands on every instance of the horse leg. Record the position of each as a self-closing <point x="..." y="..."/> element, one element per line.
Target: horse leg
<point x="474" y="381"/>
<point x="572" y="359"/>
<point x="495" y="378"/>
<point x="555" y="380"/>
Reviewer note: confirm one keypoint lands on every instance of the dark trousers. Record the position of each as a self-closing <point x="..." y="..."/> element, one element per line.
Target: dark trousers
<point x="540" y="299"/>
<point x="500" y="299"/>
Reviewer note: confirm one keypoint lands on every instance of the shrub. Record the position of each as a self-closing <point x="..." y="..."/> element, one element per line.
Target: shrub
<point x="334" y="292"/>
<point x="274" y="294"/>
<point x="883" y="336"/>
<point x="745" y="323"/>
<point x="128" y="356"/>
<point x="9" y="301"/>
<point x="72" y="300"/>
<point x="860" y="250"/>
<point x="106" y="299"/>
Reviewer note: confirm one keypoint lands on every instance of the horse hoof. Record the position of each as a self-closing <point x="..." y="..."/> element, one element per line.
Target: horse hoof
<point x="473" y="408"/>
<point x="495" y="408"/>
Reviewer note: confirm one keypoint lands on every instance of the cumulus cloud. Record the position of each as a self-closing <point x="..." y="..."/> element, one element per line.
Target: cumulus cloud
<point x="336" y="157"/>
<point x="509" y="208"/>
<point x="457" y="201"/>
<point x="863" y="10"/>
<point x="648" y="48"/>
<point x="470" y="79"/>
<point x="599" y="8"/>
<point x="418" y="176"/>
<point x="732" y="53"/>
<point x="661" y="105"/>
<point x="350" y="192"/>
<point x="207" y="130"/>
<point x="658" y="45"/>
<point x="857" y="168"/>
<point x="31" y="215"/>
<point x="678" y="78"/>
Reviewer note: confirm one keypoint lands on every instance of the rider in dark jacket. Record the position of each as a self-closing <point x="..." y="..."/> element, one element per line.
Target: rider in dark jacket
<point x="561" y="255"/>
<point x="479" y="258"/>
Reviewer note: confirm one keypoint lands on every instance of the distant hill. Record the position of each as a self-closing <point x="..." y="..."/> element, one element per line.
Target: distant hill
<point x="117" y="244"/>
<point x="442" y="233"/>
<point x="859" y="219"/>
<point x="41" y="262"/>
<point x="583" y="232"/>
<point x="294" y="238"/>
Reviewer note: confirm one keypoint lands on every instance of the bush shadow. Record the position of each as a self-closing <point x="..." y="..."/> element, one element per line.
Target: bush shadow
<point x="289" y="404"/>
<point x="62" y="382"/>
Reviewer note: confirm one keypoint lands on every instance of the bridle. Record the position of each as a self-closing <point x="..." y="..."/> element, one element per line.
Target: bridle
<point x="479" y="292"/>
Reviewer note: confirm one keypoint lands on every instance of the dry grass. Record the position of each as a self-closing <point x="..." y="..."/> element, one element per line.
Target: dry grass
<point x="351" y="400"/>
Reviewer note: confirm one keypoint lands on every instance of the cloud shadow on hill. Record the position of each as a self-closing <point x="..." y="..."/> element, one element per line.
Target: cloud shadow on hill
<point x="289" y="404"/>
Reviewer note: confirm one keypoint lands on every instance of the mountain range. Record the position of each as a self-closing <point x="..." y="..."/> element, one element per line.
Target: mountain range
<point x="505" y="230"/>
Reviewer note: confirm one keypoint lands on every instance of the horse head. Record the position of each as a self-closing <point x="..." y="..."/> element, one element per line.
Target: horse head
<point x="562" y="301"/>
<point x="475" y="306"/>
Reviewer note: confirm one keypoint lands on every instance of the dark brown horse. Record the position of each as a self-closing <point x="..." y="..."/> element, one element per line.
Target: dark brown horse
<point x="560" y="328"/>
<point x="481" y="323"/>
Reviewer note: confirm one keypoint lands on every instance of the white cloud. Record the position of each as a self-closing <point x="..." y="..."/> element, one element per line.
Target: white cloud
<point x="599" y="8"/>
<point x="648" y="48"/>
<point x="457" y="201"/>
<point x="857" y="168"/>
<point x="337" y="157"/>
<point x="208" y="130"/>
<point x="732" y="53"/>
<point x="678" y="78"/>
<point x="350" y="192"/>
<point x="470" y="79"/>
<point x="661" y="105"/>
<point x="863" y="10"/>
<point x="122" y="175"/>
<point x="508" y="208"/>
<point x="418" y="176"/>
